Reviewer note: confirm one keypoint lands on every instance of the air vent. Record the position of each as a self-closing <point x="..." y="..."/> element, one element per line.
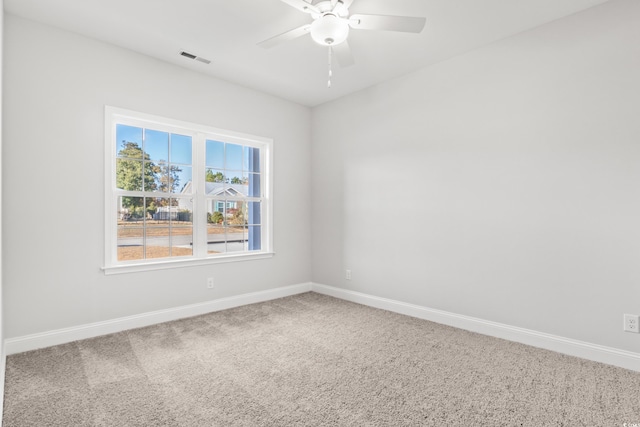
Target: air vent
<point x="196" y="57"/>
<point x="188" y="55"/>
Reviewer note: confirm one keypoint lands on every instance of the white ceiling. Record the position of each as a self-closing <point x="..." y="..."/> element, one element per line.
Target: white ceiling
<point x="227" y="33"/>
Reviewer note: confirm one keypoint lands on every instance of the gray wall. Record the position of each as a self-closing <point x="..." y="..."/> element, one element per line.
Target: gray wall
<point x="56" y="87"/>
<point x="502" y="184"/>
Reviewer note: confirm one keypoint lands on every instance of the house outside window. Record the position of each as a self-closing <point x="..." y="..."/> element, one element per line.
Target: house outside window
<point x="178" y="192"/>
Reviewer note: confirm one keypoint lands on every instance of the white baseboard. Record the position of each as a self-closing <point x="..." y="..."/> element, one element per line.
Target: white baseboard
<point x="584" y="350"/>
<point x="61" y="336"/>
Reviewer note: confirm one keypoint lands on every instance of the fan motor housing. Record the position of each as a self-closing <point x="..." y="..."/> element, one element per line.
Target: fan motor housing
<point x="325" y="7"/>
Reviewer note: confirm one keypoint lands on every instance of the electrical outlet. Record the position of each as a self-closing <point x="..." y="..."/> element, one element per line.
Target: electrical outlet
<point x="210" y="283"/>
<point x="347" y="274"/>
<point x="631" y="322"/>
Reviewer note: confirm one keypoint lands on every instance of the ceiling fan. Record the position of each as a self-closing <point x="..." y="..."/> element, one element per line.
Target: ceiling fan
<point x="331" y="24"/>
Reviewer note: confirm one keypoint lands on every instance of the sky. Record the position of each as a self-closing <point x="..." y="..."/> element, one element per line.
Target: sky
<point x="230" y="159"/>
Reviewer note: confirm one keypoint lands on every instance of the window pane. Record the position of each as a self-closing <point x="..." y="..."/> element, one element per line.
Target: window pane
<point x="130" y="232"/>
<point x="128" y="235"/>
<point x="185" y="212"/>
<point x="156" y="145"/>
<point x="130" y="243"/>
<point x="251" y="159"/>
<point x="154" y="176"/>
<point x="180" y="149"/>
<point x="215" y="212"/>
<point x="181" y="241"/>
<point x="145" y="170"/>
<point x="242" y="212"/>
<point x="234" y="190"/>
<point x="219" y="212"/>
<point x="171" y="178"/>
<point x="161" y="178"/>
<point x="233" y="156"/>
<point x="255" y="238"/>
<point x="159" y="211"/>
<point x="214" y="175"/>
<point x="237" y="178"/>
<point x="129" y="175"/>
<point x="236" y="211"/>
<point x="216" y="238"/>
<point x="129" y="141"/>
<point x="157" y="242"/>
<point x="182" y="175"/>
<point x="184" y="218"/>
<point x="130" y="211"/>
<point x="236" y="239"/>
<point x="215" y="155"/>
<point x="253" y="213"/>
<point x="254" y="185"/>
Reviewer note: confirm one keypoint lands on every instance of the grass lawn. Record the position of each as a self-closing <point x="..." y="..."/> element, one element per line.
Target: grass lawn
<point x="135" y="229"/>
<point x="130" y="253"/>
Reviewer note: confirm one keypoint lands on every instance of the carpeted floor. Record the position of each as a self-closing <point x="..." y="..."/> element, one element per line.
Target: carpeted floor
<point x="311" y="360"/>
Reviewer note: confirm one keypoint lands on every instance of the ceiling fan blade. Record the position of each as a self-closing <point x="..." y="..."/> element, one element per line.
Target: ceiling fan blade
<point x="289" y="35"/>
<point x="302" y="6"/>
<point x="340" y="7"/>
<point x="407" y="24"/>
<point x="343" y="54"/>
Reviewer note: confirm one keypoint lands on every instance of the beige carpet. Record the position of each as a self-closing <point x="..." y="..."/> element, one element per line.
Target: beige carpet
<point x="311" y="360"/>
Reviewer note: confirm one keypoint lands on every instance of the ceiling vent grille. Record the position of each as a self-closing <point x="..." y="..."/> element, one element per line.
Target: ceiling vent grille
<point x="196" y="57"/>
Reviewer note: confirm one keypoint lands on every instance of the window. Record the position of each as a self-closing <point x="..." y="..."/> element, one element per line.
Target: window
<point x="182" y="193"/>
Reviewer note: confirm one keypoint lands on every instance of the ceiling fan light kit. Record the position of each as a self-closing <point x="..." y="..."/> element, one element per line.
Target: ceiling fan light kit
<point x="331" y="24"/>
<point x="329" y="30"/>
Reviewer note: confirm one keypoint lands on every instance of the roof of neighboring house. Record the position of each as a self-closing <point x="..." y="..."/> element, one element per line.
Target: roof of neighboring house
<point x="220" y="189"/>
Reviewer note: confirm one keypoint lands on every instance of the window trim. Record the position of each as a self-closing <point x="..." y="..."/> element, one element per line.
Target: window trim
<point x="200" y="133"/>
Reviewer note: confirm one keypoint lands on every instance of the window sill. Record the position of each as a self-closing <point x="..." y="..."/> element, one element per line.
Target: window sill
<point x="179" y="263"/>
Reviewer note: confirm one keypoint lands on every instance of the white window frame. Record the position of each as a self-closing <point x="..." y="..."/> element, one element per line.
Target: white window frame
<point x="199" y="133"/>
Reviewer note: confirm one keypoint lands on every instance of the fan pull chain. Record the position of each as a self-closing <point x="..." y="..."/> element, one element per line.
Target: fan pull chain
<point x="330" y="71"/>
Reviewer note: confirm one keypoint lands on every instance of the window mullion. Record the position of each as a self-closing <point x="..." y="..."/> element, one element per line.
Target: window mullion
<point x="199" y="202"/>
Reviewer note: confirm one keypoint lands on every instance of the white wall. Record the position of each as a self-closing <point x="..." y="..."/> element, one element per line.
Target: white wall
<point x="503" y="184"/>
<point x="56" y="86"/>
